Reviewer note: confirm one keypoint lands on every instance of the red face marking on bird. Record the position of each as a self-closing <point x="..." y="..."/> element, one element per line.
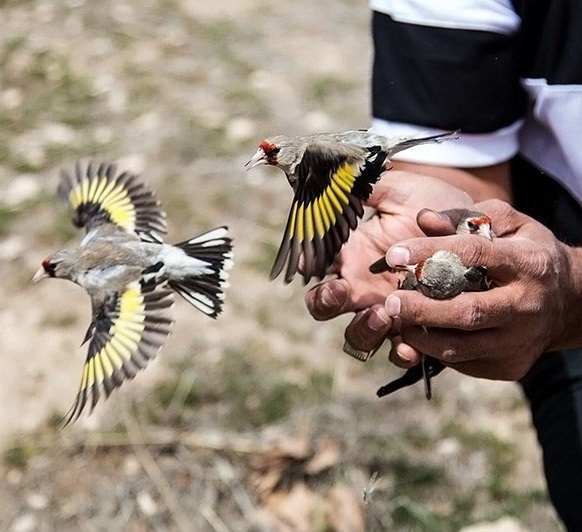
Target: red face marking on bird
<point x="49" y="267"/>
<point x="418" y="270"/>
<point x="476" y="223"/>
<point x="270" y="150"/>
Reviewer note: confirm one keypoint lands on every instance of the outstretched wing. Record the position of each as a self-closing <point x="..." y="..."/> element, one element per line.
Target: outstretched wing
<point x="332" y="181"/>
<point x="100" y="195"/>
<point x="127" y="331"/>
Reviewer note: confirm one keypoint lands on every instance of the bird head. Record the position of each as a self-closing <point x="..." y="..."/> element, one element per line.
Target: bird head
<point x="476" y="223"/>
<point x="277" y="151"/>
<point x="56" y="265"/>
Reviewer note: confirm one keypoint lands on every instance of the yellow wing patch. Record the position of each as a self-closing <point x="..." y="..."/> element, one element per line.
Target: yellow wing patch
<point x="128" y="331"/>
<point x="319" y="223"/>
<point x="109" y="196"/>
<point x="99" y="194"/>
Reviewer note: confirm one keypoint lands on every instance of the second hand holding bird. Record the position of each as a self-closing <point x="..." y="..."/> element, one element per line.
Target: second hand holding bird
<point x="441" y="276"/>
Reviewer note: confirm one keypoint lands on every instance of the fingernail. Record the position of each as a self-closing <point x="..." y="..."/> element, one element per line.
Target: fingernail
<point x="398" y="256"/>
<point x="376" y="321"/>
<point x="404" y="356"/>
<point x="392" y="306"/>
<point x="328" y="298"/>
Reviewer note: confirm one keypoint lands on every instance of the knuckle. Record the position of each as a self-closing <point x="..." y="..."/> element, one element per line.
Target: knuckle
<point x="450" y="354"/>
<point x="473" y="315"/>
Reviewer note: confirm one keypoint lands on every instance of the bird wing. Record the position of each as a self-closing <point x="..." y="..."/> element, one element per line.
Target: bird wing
<point x="331" y="181"/>
<point x="127" y="330"/>
<point x="100" y="195"/>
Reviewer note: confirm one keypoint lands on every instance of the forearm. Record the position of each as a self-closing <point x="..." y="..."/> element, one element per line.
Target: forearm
<point x="480" y="183"/>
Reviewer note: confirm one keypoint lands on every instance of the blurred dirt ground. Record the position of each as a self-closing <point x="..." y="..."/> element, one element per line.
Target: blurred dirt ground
<point x="257" y="421"/>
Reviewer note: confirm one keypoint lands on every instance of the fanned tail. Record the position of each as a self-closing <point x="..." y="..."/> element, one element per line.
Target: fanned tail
<point x="205" y="291"/>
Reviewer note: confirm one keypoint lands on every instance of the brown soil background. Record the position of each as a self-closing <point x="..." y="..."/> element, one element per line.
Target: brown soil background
<point x="257" y="421"/>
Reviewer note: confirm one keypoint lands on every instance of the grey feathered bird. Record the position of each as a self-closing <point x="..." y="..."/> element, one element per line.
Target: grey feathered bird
<point x="442" y="276"/>
<point x="331" y="175"/>
<point x="130" y="274"/>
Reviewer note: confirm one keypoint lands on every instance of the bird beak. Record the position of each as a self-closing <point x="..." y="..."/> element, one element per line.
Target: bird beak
<point x="257" y="159"/>
<point x="40" y="274"/>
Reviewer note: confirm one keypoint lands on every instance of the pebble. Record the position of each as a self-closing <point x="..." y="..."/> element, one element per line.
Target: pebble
<point x="20" y="189"/>
<point x="11" y="248"/>
<point x="146" y="503"/>
<point x="24" y="523"/>
<point x="37" y="501"/>
<point x="11" y="98"/>
<point x="241" y="129"/>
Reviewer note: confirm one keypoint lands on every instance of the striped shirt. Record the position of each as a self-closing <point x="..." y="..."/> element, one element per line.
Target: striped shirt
<point x="508" y="74"/>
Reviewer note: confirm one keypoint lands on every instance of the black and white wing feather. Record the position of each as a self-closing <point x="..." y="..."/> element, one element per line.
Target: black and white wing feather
<point x="127" y="331"/>
<point x="100" y="195"/>
<point x="332" y="181"/>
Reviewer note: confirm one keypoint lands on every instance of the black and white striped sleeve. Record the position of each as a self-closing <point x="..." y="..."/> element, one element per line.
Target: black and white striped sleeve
<point x="444" y="66"/>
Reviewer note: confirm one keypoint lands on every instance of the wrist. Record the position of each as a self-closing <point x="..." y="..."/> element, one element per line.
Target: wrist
<point x="481" y="183"/>
<point x="568" y="330"/>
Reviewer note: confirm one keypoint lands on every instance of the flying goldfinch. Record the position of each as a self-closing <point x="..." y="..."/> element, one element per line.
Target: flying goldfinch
<point x="331" y="175"/>
<point x="441" y="276"/>
<point x="130" y="274"/>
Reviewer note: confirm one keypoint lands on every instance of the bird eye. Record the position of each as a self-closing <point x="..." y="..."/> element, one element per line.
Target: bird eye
<point x="473" y="226"/>
<point x="49" y="267"/>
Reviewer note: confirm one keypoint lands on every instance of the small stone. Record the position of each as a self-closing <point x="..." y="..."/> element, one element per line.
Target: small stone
<point x="146" y="503"/>
<point x="59" y="134"/>
<point x="21" y="189"/>
<point x="131" y="466"/>
<point x="240" y="129"/>
<point x="14" y="477"/>
<point x="37" y="501"/>
<point x="24" y="523"/>
<point x="11" y="248"/>
<point x="448" y="447"/>
<point x="11" y="98"/>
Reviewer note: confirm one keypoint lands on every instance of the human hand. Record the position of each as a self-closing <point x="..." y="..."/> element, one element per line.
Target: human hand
<point x="397" y="198"/>
<point x="500" y="333"/>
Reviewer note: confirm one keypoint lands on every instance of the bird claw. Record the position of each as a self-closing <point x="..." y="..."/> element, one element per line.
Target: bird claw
<point x="429" y="367"/>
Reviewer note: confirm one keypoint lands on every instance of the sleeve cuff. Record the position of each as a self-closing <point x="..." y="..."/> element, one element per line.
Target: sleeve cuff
<point x="468" y="151"/>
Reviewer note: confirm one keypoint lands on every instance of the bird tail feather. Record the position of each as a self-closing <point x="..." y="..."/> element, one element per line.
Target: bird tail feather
<point x="411" y="142"/>
<point x="206" y="291"/>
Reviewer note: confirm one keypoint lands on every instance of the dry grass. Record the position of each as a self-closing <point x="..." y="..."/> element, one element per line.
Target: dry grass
<point x="182" y="91"/>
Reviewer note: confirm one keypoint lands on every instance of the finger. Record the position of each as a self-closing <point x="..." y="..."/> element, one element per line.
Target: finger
<point x="328" y="299"/>
<point x="404" y="355"/>
<point x="434" y="223"/>
<point x="501" y="257"/>
<point x="368" y="329"/>
<point x="468" y="311"/>
<point x="473" y="353"/>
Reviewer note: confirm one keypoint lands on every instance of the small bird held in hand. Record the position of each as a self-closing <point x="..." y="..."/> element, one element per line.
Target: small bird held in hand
<point x="467" y="223"/>
<point x="442" y="276"/>
<point x="130" y="274"/>
<point x="331" y="175"/>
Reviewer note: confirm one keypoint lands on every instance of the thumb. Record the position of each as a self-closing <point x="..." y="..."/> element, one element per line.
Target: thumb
<point x="443" y="223"/>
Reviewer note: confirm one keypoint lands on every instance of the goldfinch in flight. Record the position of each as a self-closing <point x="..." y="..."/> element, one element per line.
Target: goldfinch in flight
<point x="130" y="274"/>
<point x="331" y="175"/>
